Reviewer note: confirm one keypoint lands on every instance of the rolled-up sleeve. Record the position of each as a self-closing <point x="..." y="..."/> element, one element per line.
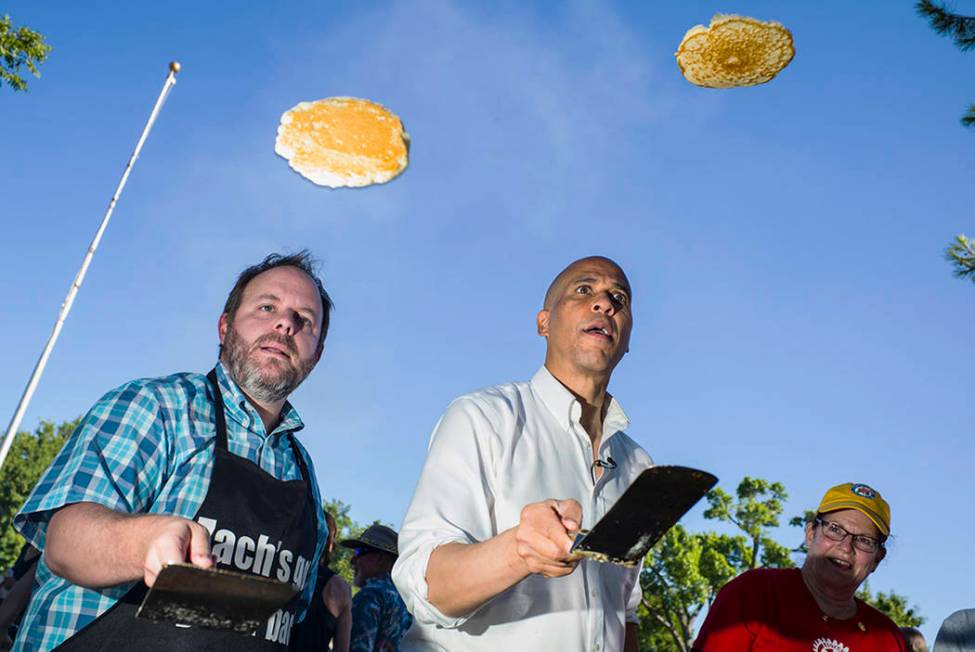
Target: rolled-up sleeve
<point x="451" y="503"/>
<point x="115" y="457"/>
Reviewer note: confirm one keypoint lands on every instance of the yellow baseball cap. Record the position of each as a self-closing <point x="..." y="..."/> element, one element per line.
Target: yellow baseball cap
<point x="858" y="496"/>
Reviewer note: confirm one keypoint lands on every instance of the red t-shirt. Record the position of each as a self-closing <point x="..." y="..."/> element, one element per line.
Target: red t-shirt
<point x="771" y="609"/>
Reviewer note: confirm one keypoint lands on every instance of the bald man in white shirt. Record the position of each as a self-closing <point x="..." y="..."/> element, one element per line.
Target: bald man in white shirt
<point x="512" y="472"/>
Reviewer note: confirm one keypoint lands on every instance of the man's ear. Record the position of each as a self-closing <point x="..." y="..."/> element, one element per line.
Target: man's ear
<point x="810" y="527"/>
<point x="223" y="324"/>
<point x="541" y="322"/>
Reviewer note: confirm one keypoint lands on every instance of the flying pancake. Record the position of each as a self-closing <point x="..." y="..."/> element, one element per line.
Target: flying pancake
<point x="734" y="51"/>
<point x="343" y="141"/>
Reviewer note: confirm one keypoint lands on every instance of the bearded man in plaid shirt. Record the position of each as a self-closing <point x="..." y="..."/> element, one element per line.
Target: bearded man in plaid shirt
<point x="204" y="469"/>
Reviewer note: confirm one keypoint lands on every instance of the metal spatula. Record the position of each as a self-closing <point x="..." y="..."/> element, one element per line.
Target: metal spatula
<point x="216" y="599"/>
<point x="653" y="504"/>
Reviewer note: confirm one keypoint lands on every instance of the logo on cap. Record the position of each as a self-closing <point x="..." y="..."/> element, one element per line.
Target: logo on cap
<point x="863" y="491"/>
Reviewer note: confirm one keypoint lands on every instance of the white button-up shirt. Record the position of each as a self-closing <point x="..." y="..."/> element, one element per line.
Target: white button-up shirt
<point x="493" y="452"/>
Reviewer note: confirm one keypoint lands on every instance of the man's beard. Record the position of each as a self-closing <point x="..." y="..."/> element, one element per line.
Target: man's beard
<point x="268" y="385"/>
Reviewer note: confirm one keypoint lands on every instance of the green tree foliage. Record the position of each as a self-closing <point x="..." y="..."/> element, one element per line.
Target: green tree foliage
<point x="684" y="571"/>
<point x="894" y="605"/>
<point x="682" y="574"/>
<point x="19" y="47"/>
<point x="341" y="561"/>
<point x="756" y="508"/>
<point x="30" y="455"/>
<point x="960" y="28"/>
<point x="961" y="254"/>
<point x="348" y="528"/>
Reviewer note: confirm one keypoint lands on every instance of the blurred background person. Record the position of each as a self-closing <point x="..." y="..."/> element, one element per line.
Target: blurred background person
<point x="18" y="596"/>
<point x="379" y="615"/>
<point x="328" y="622"/>
<point x="957" y="633"/>
<point x="914" y="639"/>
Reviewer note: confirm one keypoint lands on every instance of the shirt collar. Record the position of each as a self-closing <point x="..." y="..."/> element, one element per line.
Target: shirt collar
<point x="238" y="408"/>
<point x="566" y="409"/>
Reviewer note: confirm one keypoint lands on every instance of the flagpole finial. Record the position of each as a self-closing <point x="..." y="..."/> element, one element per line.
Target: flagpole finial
<point x="174" y="66"/>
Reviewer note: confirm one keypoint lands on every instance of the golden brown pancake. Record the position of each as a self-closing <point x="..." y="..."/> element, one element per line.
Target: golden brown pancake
<point x="734" y="51"/>
<point x="343" y="141"/>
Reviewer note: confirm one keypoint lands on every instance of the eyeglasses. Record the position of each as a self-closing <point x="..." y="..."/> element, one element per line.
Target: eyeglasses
<point x="835" y="532"/>
<point x="362" y="551"/>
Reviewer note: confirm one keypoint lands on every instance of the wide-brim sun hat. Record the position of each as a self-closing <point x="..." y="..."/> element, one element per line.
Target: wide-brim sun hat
<point x="375" y="536"/>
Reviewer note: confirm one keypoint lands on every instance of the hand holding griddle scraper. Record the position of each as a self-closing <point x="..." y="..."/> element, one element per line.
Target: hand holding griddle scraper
<point x="653" y="504"/>
<point x="215" y="599"/>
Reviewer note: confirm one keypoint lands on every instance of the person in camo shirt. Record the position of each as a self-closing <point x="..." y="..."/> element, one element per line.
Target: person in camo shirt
<point x="379" y="616"/>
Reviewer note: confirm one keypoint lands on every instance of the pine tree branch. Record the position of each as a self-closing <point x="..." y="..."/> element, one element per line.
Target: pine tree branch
<point x="961" y="254"/>
<point x="960" y="28"/>
<point x="968" y="119"/>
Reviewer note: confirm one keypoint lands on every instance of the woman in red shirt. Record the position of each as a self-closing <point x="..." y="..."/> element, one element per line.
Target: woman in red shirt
<point x="812" y="609"/>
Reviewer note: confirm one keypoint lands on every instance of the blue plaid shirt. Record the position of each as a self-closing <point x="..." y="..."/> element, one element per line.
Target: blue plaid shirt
<point x="146" y="447"/>
<point x="379" y="617"/>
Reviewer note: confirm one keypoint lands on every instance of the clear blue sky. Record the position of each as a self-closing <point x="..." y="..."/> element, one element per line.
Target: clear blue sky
<point x="794" y="317"/>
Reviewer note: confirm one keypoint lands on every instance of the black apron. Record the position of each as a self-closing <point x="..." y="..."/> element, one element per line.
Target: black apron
<point x="258" y="524"/>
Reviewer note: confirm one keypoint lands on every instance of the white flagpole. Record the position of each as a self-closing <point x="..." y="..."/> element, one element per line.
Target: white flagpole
<point x="80" y="277"/>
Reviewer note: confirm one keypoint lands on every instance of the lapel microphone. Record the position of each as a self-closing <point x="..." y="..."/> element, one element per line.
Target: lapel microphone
<point x="608" y="463"/>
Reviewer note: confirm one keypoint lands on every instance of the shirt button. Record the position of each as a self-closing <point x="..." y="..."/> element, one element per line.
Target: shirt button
<point x="596" y="647"/>
<point x="593" y="594"/>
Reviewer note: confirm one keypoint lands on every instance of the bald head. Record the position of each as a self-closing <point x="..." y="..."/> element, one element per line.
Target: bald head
<point x="566" y="275"/>
<point x="586" y="322"/>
